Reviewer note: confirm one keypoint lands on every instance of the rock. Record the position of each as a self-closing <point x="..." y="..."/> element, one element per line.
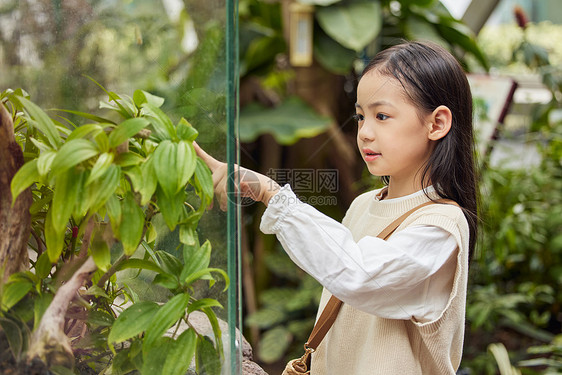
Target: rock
<point x="252" y="368"/>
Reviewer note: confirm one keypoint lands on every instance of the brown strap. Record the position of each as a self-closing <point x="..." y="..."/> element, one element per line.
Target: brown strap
<point x="330" y="312"/>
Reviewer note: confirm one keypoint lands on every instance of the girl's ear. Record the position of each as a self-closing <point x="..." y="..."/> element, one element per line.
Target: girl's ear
<point x="439" y="123"/>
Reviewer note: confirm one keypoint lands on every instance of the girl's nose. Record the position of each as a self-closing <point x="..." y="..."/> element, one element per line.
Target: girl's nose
<point x="365" y="133"/>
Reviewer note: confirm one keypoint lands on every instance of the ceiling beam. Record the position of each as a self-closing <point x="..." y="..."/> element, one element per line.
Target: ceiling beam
<point x="478" y="12"/>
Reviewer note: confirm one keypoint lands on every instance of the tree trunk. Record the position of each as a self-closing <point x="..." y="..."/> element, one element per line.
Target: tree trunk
<point x="15" y="220"/>
<point x="48" y="342"/>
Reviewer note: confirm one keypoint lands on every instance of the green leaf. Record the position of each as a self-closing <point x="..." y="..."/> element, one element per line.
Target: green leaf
<point x="216" y="327"/>
<point x="352" y="24"/>
<point x="100" y="250"/>
<point x="420" y="3"/>
<point x="113" y="207"/>
<point x="140" y="97"/>
<point x="206" y="274"/>
<point x="88" y="116"/>
<point x="419" y="28"/>
<point x="14" y="335"/>
<point x="166" y="280"/>
<point x="44" y="162"/>
<point x="155" y="356"/>
<point x="113" y="97"/>
<point x="100" y="167"/>
<point x="53" y="238"/>
<point x="274" y="343"/>
<point x="202" y="303"/>
<point x="24" y="178"/>
<point x="332" y="55"/>
<point x="67" y="188"/>
<point x="135" y="175"/>
<point x="40" y="204"/>
<point x="459" y="34"/>
<point x="261" y="52"/>
<point x="171" y="208"/>
<point x="482" y="315"/>
<point x="40" y="145"/>
<point x="123" y="361"/>
<point x="165" y="167"/>
<point x="95" y="290"/>
<point x="140" y="264"/>
<point x="43" y="266"/>
<point x="203" y="181"/>
<point x="131" y="228"/>
<point x="128" y="159"/>
<point x="166" y="316"/>
<point x="81" y="206"/>
<point x="150" y="179"/>
<point x="265" y="318"/>
<point x="132" y="321"/>
<point x="72" y="153"/>
<point x="277" y="298"/>
<point x="291" y="120"/>
<point x="186" y="161"/>
<point x="180" y="355"/>
<point x="195" y="259"/>
<point x="187" y="235"/>
<point x="126" y="130"/>
<point x="299" y="300"/>
<point x="100" y="318"/>
<point x="151" y="233"/>
<point x="208" y="358"/>
<point x="42" y="122"/>
<point x="102" y="142"/>
<point x="319" y="2"/>
<point x="41" y="303"/>
<point x="185" y="131"/>
<point x="99" y="191"/>
<point x="161" y="123"/>
<point x="14" y="291"/>
<point x="170" y="263"/>
<point x="84" y="131"/>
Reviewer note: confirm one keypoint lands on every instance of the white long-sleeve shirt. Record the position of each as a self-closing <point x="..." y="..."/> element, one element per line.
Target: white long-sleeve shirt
<point x="409" y="275"/>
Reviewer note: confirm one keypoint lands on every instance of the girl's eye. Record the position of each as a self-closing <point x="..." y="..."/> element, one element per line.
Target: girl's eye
<point x="358" y="117"/>
<point x="381" y="116"/>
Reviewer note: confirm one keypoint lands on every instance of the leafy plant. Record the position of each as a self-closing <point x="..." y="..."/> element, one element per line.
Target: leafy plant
<point x="550" y="357"/>
<point x="287" y="313"/>
<point x="513" y="298"/>
<point x="105" y="194"/>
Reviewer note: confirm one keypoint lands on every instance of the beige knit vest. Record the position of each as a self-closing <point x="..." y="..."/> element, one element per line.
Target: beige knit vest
<point x="362" y="344"/>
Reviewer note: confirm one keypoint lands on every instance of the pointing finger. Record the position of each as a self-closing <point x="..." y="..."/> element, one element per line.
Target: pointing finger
<point x="211" y="162"/>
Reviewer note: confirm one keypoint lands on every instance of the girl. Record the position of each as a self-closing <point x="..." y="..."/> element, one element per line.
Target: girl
<point x="404" y="298"/>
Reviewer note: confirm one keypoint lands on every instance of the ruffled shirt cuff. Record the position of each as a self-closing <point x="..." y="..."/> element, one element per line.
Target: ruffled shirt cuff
<point x="278" y="207"/>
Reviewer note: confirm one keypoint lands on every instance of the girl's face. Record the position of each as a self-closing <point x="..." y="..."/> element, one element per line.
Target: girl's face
<point x="391" y="136"/>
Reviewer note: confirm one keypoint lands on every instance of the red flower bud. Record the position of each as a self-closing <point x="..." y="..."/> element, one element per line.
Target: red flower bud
<point x="520" y="17"/>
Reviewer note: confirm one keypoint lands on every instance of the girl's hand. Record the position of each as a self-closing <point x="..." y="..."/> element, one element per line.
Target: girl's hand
<point x="248" y="183"/>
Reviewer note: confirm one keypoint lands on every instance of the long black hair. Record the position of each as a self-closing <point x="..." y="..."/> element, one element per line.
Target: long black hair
<point x="431" y="77"/>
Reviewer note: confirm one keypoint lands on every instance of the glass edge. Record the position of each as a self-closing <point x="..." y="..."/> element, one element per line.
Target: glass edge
<point x="233" y="209"/>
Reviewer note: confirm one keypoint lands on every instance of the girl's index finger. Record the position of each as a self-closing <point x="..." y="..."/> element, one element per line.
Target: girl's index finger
<point x="211" y="162"/>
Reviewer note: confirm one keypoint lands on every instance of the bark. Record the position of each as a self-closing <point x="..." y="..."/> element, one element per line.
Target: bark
<point x="48" y="342"/>
<point x="15" y="220"/>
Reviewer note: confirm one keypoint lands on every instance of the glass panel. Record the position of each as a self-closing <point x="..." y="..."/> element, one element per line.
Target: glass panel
<point x="184" y="51"/>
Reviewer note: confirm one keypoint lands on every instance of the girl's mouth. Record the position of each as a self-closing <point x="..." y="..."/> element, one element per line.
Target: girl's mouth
<point x="370" y="155"/>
